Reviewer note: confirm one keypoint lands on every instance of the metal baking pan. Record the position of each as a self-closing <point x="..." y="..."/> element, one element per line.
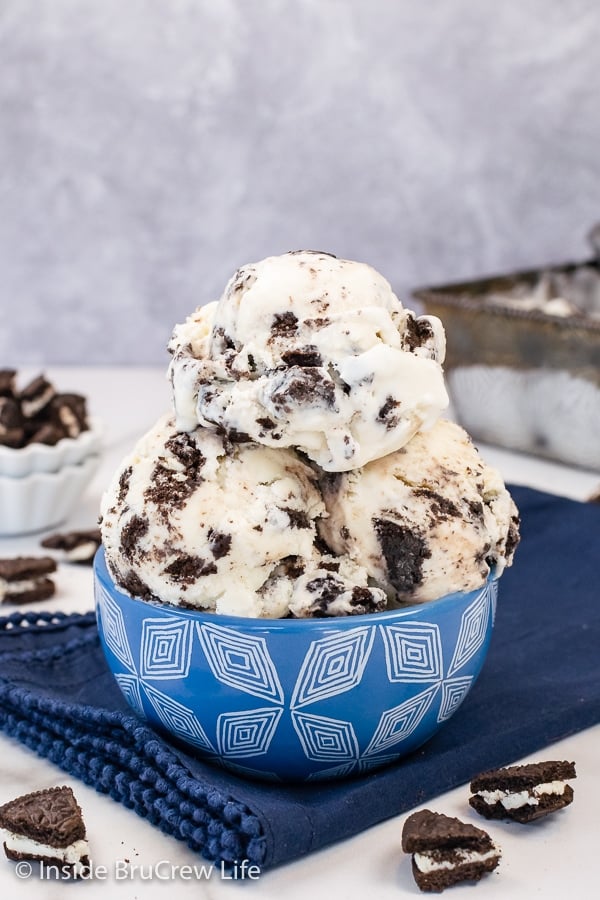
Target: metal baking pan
<point x="523" y="357"/>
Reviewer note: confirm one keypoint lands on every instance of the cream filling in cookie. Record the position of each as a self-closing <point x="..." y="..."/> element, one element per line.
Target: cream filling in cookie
<point x="30" y="407"/>
<point x="17" y="587"/>
<point x="28" y="847"/>
<point x="517" y="799"/>
<point x="81" y="551"/>
<point x="426" y="863"/>
<point x="70" y="421"/>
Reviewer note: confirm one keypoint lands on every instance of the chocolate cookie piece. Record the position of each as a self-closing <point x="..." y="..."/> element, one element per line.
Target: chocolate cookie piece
<point x="7" y="382"/>
<point x="47" y="826"/>
<point x="404" y="550"/>
<point x="76" y="546"/>
<point x="332" y="597"/>
<point x="23" y="579"/>
<point x="446" y="851"/>
<point x="307" y="357"/>
<point x="35" y="396"/>
<point x="38" y="414"/>
<point x="68" y="412"/>
<point x="46" y="434"/>
<point x="298" y="387"/>
<point x="12" y="431"/>
<point x="523" y="793"/>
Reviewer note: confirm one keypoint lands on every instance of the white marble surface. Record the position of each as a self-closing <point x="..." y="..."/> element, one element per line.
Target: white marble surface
<point x="551" y="859"/>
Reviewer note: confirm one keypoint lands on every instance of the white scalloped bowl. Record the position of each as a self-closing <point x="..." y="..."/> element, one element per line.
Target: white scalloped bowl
<point x="43" y="458"/>
<point x="43" y="499"/>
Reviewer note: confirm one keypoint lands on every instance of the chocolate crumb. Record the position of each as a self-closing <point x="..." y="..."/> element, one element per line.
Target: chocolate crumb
<point x="134" y="585"/>
<point x="300" y="387"/>
<point x="386" y="414"/>
<point x="319" y="322"/>
<point x="240" y="279"/>
<point x="483" y="556"/>
<point x="293" y="566"/>
<point x="184" y="448"/>
<point x="131" y="533"/>
<point x="513" y="537"/>
<point x="167" y="491"/>
<point x="238" y="437"/>
<point x="364" y="602"/>
<point x="284" y="324"/>
<point x="441" y="506"/>
<point x="170" y="488"/>
<point x="418" y="332"/>
<point x="124" y="484"/>
<point x="303" y="356"/>
<point x="186" y="569"/>
<point x="332" y="566"/>
<point x="298" y="517"/>
<point x="222" y="341"/>
<point x="219" y="543"/>
<point x="475" y="507"/>
<point x="328" y="588"/>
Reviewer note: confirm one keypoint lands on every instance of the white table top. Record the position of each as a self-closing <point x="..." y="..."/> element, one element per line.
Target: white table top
<point x="550" y="859"/>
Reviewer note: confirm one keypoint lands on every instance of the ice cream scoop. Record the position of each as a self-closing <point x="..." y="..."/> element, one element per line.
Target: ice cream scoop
<point x="309" y="351"/>
<point x="425" y="521"/>
<point x="196" y="520"/>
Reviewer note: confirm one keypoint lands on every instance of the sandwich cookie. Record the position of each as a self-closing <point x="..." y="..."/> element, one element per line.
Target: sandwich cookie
<point x="523" y="793"/>
<point x="24" y="579"/>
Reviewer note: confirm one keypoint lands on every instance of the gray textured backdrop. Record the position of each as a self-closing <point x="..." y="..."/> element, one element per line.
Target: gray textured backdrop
<point x="149" y="147"/>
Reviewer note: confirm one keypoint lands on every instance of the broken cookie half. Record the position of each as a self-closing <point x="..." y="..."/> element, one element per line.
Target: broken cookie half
<point x="78" y="546"/>
<point x="446" y="851"/>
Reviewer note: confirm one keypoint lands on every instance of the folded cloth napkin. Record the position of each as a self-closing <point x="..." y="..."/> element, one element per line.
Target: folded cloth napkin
<point x="540" y="683"/>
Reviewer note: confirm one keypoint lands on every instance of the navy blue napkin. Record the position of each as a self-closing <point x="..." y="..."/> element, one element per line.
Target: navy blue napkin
<point x="540" y="683"/>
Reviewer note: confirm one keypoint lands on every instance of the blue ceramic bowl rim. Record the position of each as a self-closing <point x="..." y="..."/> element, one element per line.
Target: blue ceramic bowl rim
<point x="102" y="573"/>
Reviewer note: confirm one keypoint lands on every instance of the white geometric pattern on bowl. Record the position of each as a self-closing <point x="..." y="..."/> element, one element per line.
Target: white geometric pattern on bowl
<point x="241" y="662"/>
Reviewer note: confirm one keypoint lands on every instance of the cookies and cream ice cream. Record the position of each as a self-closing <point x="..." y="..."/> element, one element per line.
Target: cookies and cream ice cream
<point x="309" y="351"/>
<point x="195" y="520"/>
<point x="425" y="521"/>
<point x="305" y="470"/>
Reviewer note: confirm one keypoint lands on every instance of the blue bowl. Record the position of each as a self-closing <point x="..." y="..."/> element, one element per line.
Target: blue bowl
<point x="295" y="699"/>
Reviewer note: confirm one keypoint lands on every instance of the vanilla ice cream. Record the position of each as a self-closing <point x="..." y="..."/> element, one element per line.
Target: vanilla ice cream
<point x="425" y="521"/>
<point x="195" y="520"/>
<point x="309" y="351"/>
